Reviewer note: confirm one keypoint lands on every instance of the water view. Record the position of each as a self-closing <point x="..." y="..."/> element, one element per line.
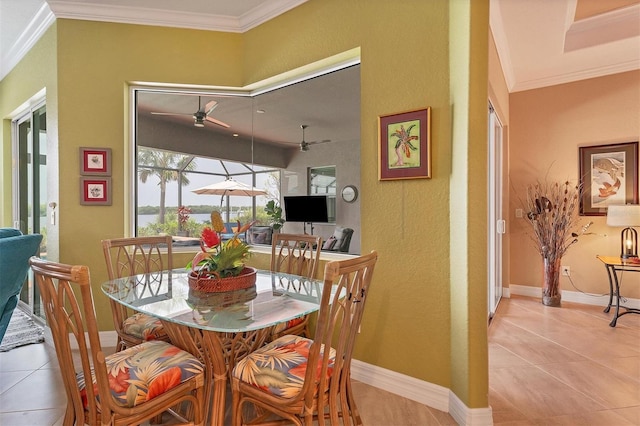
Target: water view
<point x="146" y="219"/>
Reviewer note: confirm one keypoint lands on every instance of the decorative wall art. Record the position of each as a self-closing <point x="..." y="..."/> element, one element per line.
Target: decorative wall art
<point x="95" y="161"/>
<point x="405" y="145"/>
<point x="95" y="191"/>
<point x="609" y="175"/>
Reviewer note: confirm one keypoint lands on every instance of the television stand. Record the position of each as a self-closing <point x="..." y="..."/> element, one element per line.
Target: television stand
<point x="305" y="227"/>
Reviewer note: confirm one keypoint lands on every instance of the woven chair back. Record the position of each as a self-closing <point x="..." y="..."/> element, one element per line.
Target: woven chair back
<point x="68" y="304"/>
<point x="295" y="254"/>
<point x="133" y="256"/>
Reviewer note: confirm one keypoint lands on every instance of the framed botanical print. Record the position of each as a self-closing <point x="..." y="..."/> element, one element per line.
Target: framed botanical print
<point x="405" y="145"/>
<point x="609" y="175"/>
<point x="95" y="161"/>
<point x="95" y="191"/>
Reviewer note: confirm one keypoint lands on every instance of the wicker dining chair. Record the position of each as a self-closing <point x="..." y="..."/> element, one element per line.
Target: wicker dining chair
<point x="274" y="381"/>
<point x="298" y="255"/>
<point x="133" y="256"/>
<point x="125" y="388"/>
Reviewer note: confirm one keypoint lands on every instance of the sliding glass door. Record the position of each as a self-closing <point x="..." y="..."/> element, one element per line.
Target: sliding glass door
<point x="30" y="191"/>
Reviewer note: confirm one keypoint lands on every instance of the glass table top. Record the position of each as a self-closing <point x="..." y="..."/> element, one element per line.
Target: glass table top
<point x="275" y="298"/>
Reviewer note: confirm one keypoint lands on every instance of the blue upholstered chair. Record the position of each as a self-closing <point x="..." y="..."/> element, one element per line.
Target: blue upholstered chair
<point x="15" y="251"/>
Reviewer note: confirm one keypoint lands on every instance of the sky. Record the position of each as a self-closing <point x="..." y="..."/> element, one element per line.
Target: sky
<point x="149" y="192"/>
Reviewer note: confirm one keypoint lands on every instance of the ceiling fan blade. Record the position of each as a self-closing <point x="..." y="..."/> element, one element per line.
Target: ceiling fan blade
<point x="171" y="113"/>
<point x="317" y="142"/>
<point x="218" y="122"/>
<point x="210" y="106"/>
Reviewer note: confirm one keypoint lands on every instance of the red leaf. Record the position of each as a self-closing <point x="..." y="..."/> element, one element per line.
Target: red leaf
<point x="165" y="381"/>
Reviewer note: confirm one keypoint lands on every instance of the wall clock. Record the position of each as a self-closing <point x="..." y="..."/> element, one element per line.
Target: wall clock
<point x="349" y="193"/>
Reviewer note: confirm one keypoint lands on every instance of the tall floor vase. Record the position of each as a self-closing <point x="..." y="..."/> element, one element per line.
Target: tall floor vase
<point x="551" y="282"/>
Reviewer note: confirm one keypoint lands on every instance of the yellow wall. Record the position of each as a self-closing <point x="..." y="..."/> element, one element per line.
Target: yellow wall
<point x="405" y="66"/>
<point x="547" y="127"/>
<point x="468" y="199"/>
<point x="96" y="62"/>
<point x="37" y="71"/>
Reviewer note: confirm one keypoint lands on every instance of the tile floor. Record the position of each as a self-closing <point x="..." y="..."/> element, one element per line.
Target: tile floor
<point x="547" y="366"/>
<point x="563" y="366"/>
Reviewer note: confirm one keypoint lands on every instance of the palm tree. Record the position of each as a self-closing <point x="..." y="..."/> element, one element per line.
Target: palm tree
<point x="167" y="167"/>
<point x="403" y="144"/>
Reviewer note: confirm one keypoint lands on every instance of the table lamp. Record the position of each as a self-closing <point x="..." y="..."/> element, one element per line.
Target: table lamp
<point x="627" y="215"/>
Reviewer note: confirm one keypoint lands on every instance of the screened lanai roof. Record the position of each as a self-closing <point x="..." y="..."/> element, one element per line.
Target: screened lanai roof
<point x="205" y="165"/>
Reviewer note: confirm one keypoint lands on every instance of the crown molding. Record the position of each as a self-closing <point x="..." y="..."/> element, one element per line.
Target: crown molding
<point x="496" y="26"/>
<point x="606" y="28"/>
<point x="53" y="9"/>
<point x="43" y="19"/>
<point x="602" y="35"/>
<point x="172" y="18"/>
<point x="631" y="65"/>
<point x="267" y="11"/>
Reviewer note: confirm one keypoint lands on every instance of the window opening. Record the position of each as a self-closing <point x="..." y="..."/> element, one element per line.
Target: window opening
<point x="166" y="181"/>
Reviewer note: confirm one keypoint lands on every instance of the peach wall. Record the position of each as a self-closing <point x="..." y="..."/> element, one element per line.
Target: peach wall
<point x="546" y="128"/>
<point x="498" y="90"/>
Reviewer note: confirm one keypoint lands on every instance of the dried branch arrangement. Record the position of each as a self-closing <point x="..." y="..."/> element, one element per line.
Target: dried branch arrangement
<point x="553" y="214"/>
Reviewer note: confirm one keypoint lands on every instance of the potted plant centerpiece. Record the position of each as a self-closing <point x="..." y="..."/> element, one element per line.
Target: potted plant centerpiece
<point x="553" y="214"/>
<point x="220" y="266"/>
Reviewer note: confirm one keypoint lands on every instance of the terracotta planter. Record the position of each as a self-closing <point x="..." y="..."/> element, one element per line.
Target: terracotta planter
<point x="246" y="279"/>
<point x="551" y="283"/>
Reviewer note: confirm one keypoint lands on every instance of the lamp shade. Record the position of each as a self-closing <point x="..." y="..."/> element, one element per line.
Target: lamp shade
<point x="626" y="215"/>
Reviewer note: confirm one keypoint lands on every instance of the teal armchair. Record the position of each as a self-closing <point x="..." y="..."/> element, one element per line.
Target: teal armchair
<point x="15" y="251"/>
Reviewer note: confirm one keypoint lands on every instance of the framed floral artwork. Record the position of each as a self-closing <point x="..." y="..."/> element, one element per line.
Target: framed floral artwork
<point x="95" y="161"/>
<point x="405" y="145"/>
<point x="95" y="191"/>
<point x="609" y="175"/>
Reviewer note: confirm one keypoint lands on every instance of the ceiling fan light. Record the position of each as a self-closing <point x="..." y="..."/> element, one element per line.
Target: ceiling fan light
<point x="198" y="123"/>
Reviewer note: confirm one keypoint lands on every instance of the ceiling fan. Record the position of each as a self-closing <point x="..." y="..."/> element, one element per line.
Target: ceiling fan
<point x="201" y="115"/>
<point x="304" y="145"/>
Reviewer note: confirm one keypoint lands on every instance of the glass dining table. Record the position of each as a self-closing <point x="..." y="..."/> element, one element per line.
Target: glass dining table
<point x="218" y="327"/>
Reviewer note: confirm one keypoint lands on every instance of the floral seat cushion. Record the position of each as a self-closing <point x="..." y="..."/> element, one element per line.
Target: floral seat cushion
<point x="279" y="328"/>
<point x="144" y="371"/>
<point x="144" y="327"/>
<point x="280" y="366"/>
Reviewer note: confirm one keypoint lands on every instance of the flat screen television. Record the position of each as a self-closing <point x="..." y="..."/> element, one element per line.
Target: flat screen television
<point x="306" y="208"/>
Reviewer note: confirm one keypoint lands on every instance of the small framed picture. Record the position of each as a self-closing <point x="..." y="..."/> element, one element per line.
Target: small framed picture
<point x="405" y="145"/>
<point x="609" y="175"/>
<point x="95" y="161"/>
<point x="95" y="191"/>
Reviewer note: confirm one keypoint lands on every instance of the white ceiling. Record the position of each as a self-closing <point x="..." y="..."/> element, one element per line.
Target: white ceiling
<point x="541" y="43"/>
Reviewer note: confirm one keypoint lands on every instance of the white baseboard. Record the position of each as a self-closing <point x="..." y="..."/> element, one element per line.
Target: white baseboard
<point x="569" y="296"/>
<point x="426" y="393"/>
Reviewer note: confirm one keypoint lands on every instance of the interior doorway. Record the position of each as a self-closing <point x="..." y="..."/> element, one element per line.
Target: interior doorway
<point x="496" y="225"/>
